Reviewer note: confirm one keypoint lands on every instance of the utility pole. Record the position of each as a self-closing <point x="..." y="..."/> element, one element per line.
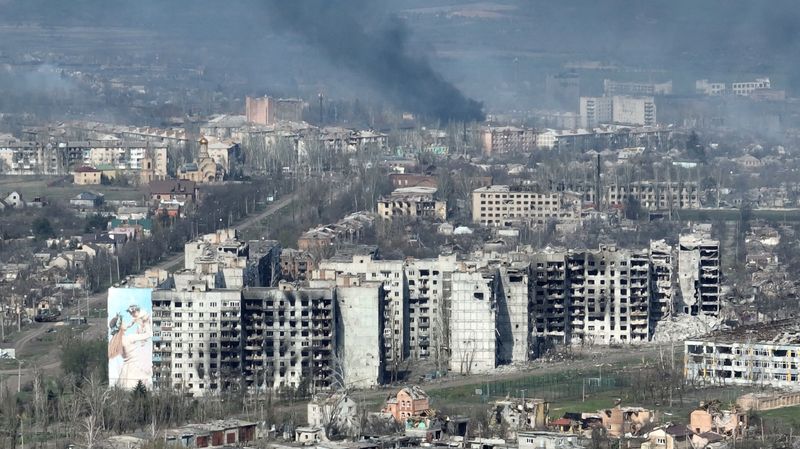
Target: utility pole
<point x="321" y="113"/>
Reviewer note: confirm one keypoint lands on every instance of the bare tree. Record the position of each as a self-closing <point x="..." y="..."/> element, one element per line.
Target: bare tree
<point x="92" y="429"/>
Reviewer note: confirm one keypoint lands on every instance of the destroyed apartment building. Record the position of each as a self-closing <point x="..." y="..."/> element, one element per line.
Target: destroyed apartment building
<point x="414" y="202"/>
<point x="346" y="230"/>
<point x="228" y="320"/>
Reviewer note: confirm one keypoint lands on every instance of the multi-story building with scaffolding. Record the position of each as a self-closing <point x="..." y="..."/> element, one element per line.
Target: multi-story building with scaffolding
<point x="699" y="274"/>
<point x="760" y="354"/>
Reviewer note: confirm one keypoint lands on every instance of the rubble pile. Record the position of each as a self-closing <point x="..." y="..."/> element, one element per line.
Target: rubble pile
<point x="685" y="326"/>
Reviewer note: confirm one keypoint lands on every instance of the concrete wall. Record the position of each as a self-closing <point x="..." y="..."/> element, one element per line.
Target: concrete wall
<point x="472" y="323"/>
<point x="360" y="335"/>
<point x="513" y="342"/>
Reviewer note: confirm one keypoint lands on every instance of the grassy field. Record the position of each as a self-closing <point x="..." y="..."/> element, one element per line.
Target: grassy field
<point x="789" y="416"/>
<point x="576" y="390"/>
<point x="54" y="190"/>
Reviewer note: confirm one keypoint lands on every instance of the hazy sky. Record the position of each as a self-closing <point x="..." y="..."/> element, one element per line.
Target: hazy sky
<point x="410" y="51"/>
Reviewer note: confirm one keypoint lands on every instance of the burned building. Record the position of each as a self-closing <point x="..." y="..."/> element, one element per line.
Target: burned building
<point x="661" y="281"/>
<point x="699" y="274"/>
<point x="288" y="337"/>
<point x="255" y="263"/>
<point x="593" y="296"/>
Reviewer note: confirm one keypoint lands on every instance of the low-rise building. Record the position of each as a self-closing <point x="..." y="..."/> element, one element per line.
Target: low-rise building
<point x="30" y="158"/>
<point x="669" y="437"/>
<point x="548" y="440"/>
<point x="711" y="418"/>
<point x="13" y="200"/>
<point x="296" y="265"/>
<point x="407" y="403"/>
<point x="178" y="191"/>
<point x="87" y="175"/>
<point x="502" y="205"/>
<point x="760" y="354"/>
<point x="611" y="88"/>
<point x="204" y="169"/>
<point x="87" y="201"/>
<point x="336" y="414"/>
<point x="742" y="88"/>
<point x="412" y="180"/>
<point x="412" y="202"/>
<point x="346" y="230"/>
<point x="228" y="156"/>
<point x="655" y="195"/>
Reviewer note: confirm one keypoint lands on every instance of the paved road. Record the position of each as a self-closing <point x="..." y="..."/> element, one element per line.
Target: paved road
<point x="51" y="361"/>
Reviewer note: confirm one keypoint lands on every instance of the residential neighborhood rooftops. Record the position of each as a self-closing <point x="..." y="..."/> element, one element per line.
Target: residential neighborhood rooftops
<point x="172" y="186"/>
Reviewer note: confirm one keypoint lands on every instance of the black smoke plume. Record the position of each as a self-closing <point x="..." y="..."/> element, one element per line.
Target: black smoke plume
<point x="380" y="54"/>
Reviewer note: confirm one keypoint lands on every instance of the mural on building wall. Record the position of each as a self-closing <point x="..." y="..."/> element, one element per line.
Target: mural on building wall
<point x="130" y="337"/>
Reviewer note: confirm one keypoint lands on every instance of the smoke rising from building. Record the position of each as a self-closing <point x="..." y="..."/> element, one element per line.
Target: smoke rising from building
<point x="379" y="54"/>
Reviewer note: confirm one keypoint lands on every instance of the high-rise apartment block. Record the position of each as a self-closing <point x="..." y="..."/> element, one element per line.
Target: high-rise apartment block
<point x="227" y="322"/>
<point x="699" y="274"/>
<point x="618" y="109"/>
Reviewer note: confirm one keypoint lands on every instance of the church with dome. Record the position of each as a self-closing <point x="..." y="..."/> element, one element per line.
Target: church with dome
<point x="204" y="169"/>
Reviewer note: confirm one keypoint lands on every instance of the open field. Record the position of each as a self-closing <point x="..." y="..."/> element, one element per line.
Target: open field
<point x="580" y="386"/>
<point x="789" y="416"/>
<point x="52" y="188"/>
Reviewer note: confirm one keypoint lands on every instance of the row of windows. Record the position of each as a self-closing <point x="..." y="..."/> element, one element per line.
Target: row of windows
<point x="519" y="195"/>
<point x="523" y="202"/>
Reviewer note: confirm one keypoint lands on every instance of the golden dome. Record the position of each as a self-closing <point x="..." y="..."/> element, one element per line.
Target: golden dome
<point x="203" y="140"/>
